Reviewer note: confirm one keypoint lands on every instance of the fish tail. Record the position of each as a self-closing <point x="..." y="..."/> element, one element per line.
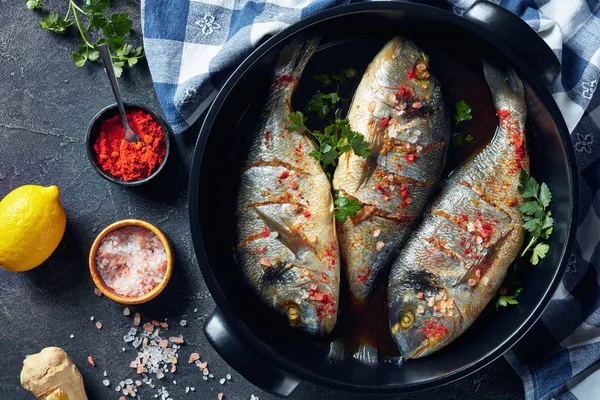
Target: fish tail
<point x="367" y="354"/>
<point x="506" y="87"/>
<point x="337" y="351"/>
<point x="295" y="56"/>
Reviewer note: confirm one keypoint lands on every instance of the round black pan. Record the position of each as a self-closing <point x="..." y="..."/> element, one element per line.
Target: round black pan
<point x="253" y="340"/>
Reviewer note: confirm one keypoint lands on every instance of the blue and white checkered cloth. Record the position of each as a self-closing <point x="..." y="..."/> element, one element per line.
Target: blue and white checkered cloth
<point x="193" y="45"/>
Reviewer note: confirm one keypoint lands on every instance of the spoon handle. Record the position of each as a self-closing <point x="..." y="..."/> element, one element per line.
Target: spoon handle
<point x="114" y="84"/>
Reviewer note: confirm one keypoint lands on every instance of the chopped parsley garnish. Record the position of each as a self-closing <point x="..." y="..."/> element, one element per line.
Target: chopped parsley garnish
<point x="504" y="300"/>
<point x="463" y="112"/>
<point x="112" y="30"/>
<point x="335" y="140"/>
<point x="537" y="216"/>
<point x="323" y="103"/>
<point x="457" y="138"/>
<point x="345" y="207"/>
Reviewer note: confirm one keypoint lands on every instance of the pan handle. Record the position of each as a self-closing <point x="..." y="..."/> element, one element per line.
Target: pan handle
<point x="518" y="35"/>
<point x="249" y="363"/>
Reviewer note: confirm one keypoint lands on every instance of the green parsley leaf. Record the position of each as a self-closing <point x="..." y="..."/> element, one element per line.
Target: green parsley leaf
<point x="33" y="4"/>
<point x="539" y="251"/>
<point x="80" y="56"/>
<point x="350" y="73"/>
<point x="298" y="119"/>
<point x="323" y="78"/>
<point x="469" y="138"/>
<point x="118" y="65"/>
<point x="359" y="145"/>
<point x="345" y="207"/>
<point x="530" y="208"/>
<point x="457" y="138"/>
<point x="119" y="24"/>
<point x="533" y="226"/>
<point x="321" y="103"/>
<point x="528" y="187"/>
<point x="463" y="112"/>
<point x="53" y="22"/>
<point x="545" y="195"/>
<point x="506" y="299"/>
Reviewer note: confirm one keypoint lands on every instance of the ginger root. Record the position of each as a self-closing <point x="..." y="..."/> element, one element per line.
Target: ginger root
<point x="51" y="375"/>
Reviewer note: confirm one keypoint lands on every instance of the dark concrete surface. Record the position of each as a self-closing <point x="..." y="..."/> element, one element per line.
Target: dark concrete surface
<point x="45" y="106"/>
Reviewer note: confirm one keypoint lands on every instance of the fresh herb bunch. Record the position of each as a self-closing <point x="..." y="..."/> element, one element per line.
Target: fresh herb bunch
<point x="335" y="140"/>
<point x="111" y="30"/>
<point x="344" y="207"/>
<point x="323" y="103"/>
<point x="538" y="223"/>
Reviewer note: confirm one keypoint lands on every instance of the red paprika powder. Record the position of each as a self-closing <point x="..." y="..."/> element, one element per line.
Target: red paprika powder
<point x="125" y="160"/>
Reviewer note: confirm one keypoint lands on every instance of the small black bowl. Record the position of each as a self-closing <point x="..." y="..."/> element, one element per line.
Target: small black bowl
<point x="92" y="132"/>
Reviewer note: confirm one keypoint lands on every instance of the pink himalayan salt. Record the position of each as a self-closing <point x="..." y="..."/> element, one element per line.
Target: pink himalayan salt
<point x="131" y="260"/>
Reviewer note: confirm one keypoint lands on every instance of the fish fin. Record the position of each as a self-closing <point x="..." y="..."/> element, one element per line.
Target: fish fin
<point x="367" y="354"/>
<point x="505" y="85"/>
<point x="295" y="56"/>
<point x="291" y="237"/>
<point x="371" y="162"/>
<point x="337" y="351"/>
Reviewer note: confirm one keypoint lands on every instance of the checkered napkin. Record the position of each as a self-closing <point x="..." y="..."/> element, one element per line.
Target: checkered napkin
<point x="193" y="45"/>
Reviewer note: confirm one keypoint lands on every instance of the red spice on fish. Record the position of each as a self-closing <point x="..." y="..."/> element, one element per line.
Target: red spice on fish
<point x="284" y="80"/>
<point x="411" y="157"/>
<point x="285" y="174"/>
<point x="433" y="329"/>
<point x="267" y="135"/>
<point x="385" y="121"/>
<point x="411" y="74"/>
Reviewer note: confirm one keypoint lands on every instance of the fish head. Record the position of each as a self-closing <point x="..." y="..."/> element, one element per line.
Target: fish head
<point x="310" y="307"/>
<point x="420" y="320"/>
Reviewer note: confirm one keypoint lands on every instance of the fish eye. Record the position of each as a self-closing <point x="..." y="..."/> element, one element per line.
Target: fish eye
<point x="293" y="312"/>
<point x="407" y="318"/>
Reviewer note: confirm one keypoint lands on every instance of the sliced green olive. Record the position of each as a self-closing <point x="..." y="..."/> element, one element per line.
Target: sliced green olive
<point x="407" y="318"/>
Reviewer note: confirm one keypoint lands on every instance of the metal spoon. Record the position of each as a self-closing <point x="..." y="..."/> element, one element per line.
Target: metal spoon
<point x="130" y="134"/>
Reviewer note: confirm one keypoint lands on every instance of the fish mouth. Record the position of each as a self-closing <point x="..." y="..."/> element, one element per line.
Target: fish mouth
<point x="417" y="352"/>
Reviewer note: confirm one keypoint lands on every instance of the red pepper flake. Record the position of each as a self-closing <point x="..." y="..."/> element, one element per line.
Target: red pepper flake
<point x="298" y="150"/>
<point x="462" y="242"/>
<point x="265" y="233"/>
<point x="92" y="361"/>
<point x="385" y="121"/>
<point x="504" y="114"/>
<point x="284" y="174"/>
<point x="324" y="276"/>
<point x="411" y="74"/>
<point x="267" y="135"/>
<point x="433" y="329"/>
<point x="306" y="213"/>
<point x="464" y="217"/>
<point x="284" y="80"/>
<point x="411" y="157"/>
<point x="362" y="277"/>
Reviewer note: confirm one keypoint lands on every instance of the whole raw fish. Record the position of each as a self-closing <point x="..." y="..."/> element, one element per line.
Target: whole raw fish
<point x="453" y="264"/>
<point x="286" y="240"/>
<point x="398" y="107"/>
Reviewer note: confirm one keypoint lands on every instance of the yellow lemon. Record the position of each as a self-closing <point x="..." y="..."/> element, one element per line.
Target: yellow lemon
<point x="32" y="224"/>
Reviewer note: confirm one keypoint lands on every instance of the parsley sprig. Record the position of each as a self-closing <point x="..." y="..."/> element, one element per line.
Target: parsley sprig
<point x="458" y="138"/>
<point x="538" y="224"/>
<point x="344" y="207"/>
<point x="505" y="299"/>
<point x="335" y="140"/>
<point x="538" y="218"/>
<point x="323" y="103"/>
<point x="463" y="112"/>
<point x="112" y="30"/>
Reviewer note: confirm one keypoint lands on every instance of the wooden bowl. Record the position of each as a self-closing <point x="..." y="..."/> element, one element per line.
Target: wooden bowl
<point x="107" y="290"/>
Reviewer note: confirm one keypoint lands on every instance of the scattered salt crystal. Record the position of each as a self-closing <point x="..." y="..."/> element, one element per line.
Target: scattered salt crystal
<point x="253" y="397"/>
<point x="211" y="376"/>
<point x="228" y="377"/>
<point x="379" y="245"/>
<point x="192" y="388"/>
<point x="174" y="382"/>
<point x="128" y="381"/>
<point x="72" y="336"/>
<point x="195" y="310"/>
<point x="160" y="374"/>
<point x="311" y="237"/>
<point x="92" y="318"/>
<point x="183" y="322"/>
<point x="137" y="319"/>
<point x="194" y="357"/>
<point x="92" y="361"/>
<point x="164" y="325"/>
<point x="123" y="349"/>
<point x="106" y="382"/>
<point x="205" y="371"/>
<point x="137" y="342"/>
<point x="376" y="232"/>
<point x="97" y="292"/>
<point x="220" y="396"/>
<point x="205" y="378"/>
<point x="203" y="365"/>
<point x="420" y="309"/>
<point x="222" y="381"/>
<point x="131" y="260"/>
<point x="99" y="325"/>
<point x="478" y="273"/>
<point x="126" y="311"/>
<point x="105" y="374"/>
<point x="485" y="280"/>
<point x="265" y="262"/>
<point x="472" y="282"/>
<point x="187" y="389"/>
